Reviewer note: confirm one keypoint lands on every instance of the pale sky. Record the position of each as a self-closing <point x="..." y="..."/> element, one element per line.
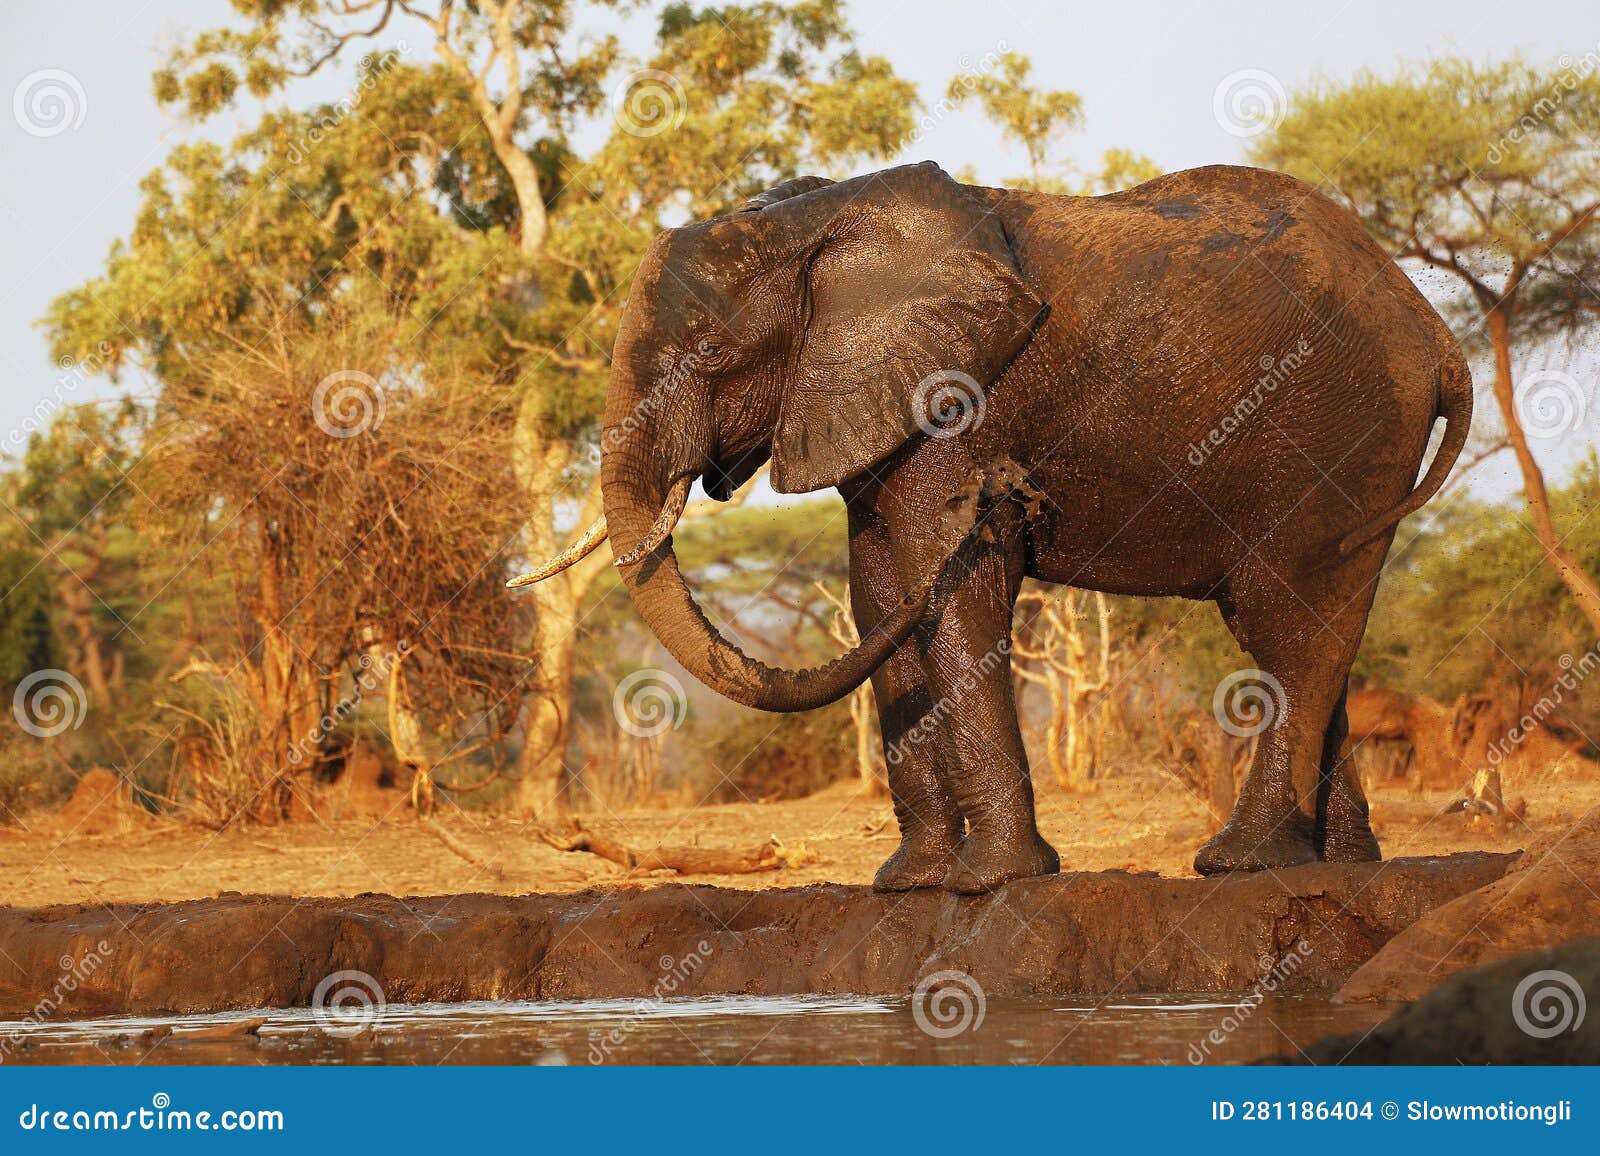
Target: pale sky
<point x="1148" y="74"/>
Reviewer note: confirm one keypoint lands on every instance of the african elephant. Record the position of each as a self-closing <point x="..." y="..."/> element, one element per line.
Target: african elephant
<point x="1213" y="385"/>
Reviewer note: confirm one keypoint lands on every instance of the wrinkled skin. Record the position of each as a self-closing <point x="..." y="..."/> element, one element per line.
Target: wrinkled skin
<point x="1213" y="385"/>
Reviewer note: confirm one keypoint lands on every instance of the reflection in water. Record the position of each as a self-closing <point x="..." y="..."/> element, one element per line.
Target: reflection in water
<point x="724" y="1030"/>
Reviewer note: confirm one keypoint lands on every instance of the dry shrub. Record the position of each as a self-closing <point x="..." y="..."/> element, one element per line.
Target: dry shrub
<point x="1210" y="762"/>
<point x="358" y="508"/>
<point x="32" y="776"/>
<point x="619" y="769"/>
<point x="227" y="767"/>
<point x="761" y="757"/>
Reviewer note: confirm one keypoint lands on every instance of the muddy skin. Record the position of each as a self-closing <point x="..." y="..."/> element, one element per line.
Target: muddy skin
<point x="920" y="861"/>
<point x="1212" y="386"/>
<point x="1245" y="843"/>
<point x="1343" y="831"/>
<point x="987" y="859"/>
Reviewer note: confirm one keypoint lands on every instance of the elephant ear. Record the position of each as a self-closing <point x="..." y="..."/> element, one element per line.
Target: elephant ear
<point x="915" y="307"/>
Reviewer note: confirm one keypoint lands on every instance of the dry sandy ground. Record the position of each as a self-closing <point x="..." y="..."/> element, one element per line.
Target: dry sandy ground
<point x="1144" y="822"/>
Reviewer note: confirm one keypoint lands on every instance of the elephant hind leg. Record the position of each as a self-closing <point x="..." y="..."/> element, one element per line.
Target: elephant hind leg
<point x="1300" y="801"/>
<point x="1343" y="833"/>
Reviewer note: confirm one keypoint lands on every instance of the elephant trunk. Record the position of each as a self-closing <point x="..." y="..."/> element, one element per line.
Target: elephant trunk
<point x="641" y="511"/>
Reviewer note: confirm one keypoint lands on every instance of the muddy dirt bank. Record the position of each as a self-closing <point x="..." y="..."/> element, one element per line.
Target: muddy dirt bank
<point x="1528" y="1009"/>
<point x="1080" y="933"/>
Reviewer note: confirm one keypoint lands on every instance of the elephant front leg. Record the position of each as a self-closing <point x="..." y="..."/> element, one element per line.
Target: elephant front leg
<point x="915" y="744"/>
<point x="967" y="656"/>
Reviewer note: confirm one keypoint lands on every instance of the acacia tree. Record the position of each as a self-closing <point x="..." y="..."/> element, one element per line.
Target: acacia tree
<point x="515" y="62"/>
<point x="1488" y="176"/>
<point x="732" y="101"/>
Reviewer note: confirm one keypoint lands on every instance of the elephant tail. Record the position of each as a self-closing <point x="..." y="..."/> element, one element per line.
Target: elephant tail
<point x="1453" y="391"/>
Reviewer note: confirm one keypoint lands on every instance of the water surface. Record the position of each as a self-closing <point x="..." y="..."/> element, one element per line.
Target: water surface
<point x="1168" y="1029"/>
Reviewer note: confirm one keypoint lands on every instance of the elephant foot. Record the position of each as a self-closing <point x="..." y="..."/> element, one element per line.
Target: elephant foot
<point x="921" y="861"/>
<point x="1242" y="846"/>
<point x="986" y="860"/>
<point x="1347" y="836"/>
<point x="1358" y="847"/>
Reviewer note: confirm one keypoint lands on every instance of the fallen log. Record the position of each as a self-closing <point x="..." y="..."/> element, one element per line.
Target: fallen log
<point x="684" y="860"/>
<point x="460" y="848"/>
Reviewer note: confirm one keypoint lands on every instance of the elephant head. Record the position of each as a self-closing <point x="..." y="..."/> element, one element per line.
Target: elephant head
<point x="798" y="328"/>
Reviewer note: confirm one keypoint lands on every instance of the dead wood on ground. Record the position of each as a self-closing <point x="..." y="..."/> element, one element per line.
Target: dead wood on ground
<point x="771" y="855"/>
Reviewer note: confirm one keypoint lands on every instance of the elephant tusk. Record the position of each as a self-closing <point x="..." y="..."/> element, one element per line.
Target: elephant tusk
<point x="661" y="529"/>
<point x="579" y="550"/>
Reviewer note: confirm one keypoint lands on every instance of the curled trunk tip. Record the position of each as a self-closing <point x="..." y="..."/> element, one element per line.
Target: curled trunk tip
<point x="661" y="529"/>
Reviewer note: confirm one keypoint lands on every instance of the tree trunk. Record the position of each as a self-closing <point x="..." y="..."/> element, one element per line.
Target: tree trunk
<point x="540" y="464"/>
<point x="500" y="118"/>
<point x="868" y="774"/>
<point x="541" y="793"/>
<point x="405" y="733"/>
<point x="842" y="629"/>
<point x="1048" y="639"/>
<point x="1058" y="725"/>
<point x="292" y="698"/>
<point x="1083" y="740"/>
<point x="1566" y="565"/>
<point x="75" y="592"/>
<point x="530" y="199"/>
